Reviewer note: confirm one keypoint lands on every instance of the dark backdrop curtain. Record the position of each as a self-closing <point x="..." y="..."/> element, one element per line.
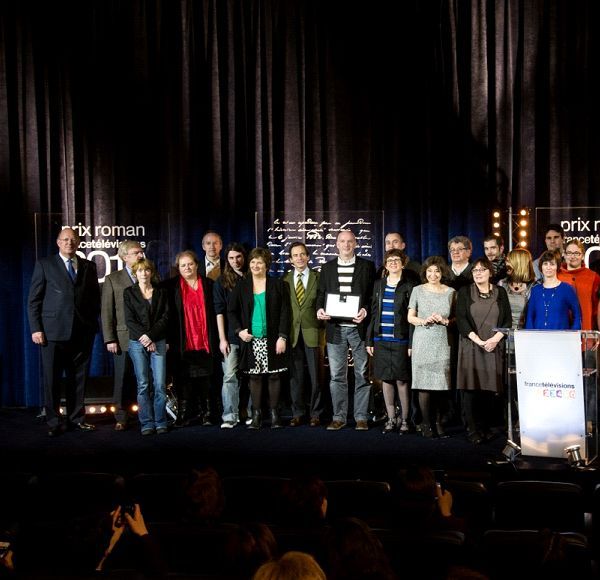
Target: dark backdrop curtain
<point x="207" y="111"/>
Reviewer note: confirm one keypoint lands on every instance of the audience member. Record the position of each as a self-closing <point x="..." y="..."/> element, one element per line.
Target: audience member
<point x="304" y="502"/>
<point x="493" y="247"/>
<point x="305" y="335"/>
<point x="114" y="329"/>
<point x="387" y="338"/>
<point x="553" y="305"/>
<point x="193" y="339"/>
<point x="229" y="343"/>
<point x="259" y="312"/>
<point x="147" y="319"/>
<point x="431" y="311"/>
<point x="355" y="552"/>
<point x="247" y="547"/>
<point x="291" y="566"/>
<point x="63" y="309"/>
<point x="205" y="497"/>
<point x="347" y="274"/>
<point x="481" y="308"/>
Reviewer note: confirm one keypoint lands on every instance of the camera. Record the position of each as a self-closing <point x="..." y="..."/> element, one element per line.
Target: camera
<point x="4" y="548"/>
<point x="127" y="508"/>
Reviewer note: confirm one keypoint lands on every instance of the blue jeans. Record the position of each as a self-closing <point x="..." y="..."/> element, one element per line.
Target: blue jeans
<point x="152" y="402"/>
<point x="338" y="369"/>
<point x="231" y="385"/>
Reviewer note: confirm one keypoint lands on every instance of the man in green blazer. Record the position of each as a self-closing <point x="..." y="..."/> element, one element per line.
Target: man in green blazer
<point x="304" y="336"/>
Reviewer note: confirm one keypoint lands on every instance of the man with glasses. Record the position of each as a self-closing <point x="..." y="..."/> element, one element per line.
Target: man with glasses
<point x="460" y="248"/>
<point x="114" y="330"/>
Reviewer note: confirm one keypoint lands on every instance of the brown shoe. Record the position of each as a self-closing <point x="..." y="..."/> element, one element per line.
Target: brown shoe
<point x="296" y="422"/>
<point x="361" y="426"/>
<point x="336" y="426"/>
<point x="120" y="427"/>
<point x="315" y="422"/>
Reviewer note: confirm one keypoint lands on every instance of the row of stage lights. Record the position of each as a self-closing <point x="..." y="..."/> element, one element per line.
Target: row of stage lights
<point x="100" y="409"/>
<point x="517" y="225"/>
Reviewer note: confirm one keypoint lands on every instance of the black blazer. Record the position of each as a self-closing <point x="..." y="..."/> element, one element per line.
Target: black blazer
<point x="55" y="303"/>
<point x="240" y="307"/>
<point x="464" y="320"/>
<point x="176" y="334"/>
<point x="362" y="284"/>
<point x="401" y="299"/>
<point x="143" y="318"/>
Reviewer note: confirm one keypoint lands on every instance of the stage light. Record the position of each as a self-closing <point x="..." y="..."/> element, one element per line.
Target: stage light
<point x="523" y="244"/>
<point x="511" y="450"/>
<point x="134" y="408"/>
<point x="496" y="225"/>
<point x="523" y="212"/>
<point x="496" y="214"/>
<point x="113" y="409"/>
<point x="92" y="410"/>
<point x="574" y="456"/>
<point x="523" y="233"/>
<point x="523" y="223"/>
<point x="62" y="410"/>
<point x="103" y="409"/>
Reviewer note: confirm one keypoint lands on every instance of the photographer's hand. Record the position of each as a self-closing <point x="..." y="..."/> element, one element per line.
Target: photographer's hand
<point x="137" y="523"/>
<point x="117" y="531"/>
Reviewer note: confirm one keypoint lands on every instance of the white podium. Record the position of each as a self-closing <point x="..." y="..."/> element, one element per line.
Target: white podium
<point x="553" y="376"/>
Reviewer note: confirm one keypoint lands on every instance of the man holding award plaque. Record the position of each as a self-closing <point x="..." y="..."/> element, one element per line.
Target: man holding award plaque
<point x="344" y="294"/>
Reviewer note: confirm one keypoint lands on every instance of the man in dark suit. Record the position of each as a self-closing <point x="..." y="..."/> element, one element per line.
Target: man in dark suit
<point x="347" y="274"/>
<point x="304" y="337"/>
<point x="63" y="308"/>
<point x="114" y="329"/>
<point x="213" y="265"/>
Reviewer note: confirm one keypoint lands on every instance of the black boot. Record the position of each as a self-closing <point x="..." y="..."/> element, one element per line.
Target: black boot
<point x="182" y="419"/>
<point x="256" y="420"/>
<point x="205" y="412"/>
<point x="275" y="419"/>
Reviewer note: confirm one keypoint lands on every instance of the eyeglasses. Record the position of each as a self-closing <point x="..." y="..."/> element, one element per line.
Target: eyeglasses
<point x="393" y="261"/>
<point x="573" y="254"/>
<point x="479" y="270"/>
<point x="457" y="250"/>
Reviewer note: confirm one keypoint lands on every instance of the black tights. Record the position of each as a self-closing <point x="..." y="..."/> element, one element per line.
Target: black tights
<point x="256" y="387"/>
<point x="478" y="409"/>
<point x="431" y="403"/>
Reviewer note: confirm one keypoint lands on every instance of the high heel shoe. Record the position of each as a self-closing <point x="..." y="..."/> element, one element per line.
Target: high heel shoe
<point x="256" y="420"/>
<point x="404" y="428"/>
<point x="390" y="426"/>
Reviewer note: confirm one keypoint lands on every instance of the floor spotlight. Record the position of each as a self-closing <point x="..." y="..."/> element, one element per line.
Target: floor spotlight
<point x="511" y="450"/>
<point x="574" y="456"/>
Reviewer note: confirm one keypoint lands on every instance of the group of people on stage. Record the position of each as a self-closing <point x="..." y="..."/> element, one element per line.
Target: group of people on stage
<point x="429" y="329"/>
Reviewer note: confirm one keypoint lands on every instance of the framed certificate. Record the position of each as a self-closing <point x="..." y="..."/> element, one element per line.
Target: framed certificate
<point x="344" y="306"/>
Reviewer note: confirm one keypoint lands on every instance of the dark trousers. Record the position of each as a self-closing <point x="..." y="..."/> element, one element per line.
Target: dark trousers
<point x="300" y="354"/>
<point x="124" y="386"/>
<point x="72" y="358"/>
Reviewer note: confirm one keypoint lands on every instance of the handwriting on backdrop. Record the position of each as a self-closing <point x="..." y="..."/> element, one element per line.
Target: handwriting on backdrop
<point x="319" y="237"/>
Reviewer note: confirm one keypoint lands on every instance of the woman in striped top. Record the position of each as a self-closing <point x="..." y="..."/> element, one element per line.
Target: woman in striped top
<point x="387" y="338"/>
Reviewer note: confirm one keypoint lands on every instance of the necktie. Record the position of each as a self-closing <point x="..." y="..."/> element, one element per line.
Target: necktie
<point x="300" y="291"/>
<point x="71" y="270"/>
<point x="215" y="272"/>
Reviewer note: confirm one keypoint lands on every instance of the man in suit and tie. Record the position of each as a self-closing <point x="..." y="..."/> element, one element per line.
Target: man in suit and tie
<point x="304" y="336"/>
<point x="63" y="309"/>
<point x="351" y="275"/>
<point x="212" y="266"/>
<point x="114" y="330"/>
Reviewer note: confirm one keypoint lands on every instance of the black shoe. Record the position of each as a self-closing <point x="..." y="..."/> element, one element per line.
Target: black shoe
<point x="426" y="431"/>
<point x="441" y="432"/>
<point x="256" y="420"/>
<point x="474" y="437"/>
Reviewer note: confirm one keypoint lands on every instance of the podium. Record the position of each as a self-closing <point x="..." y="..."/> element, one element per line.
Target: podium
<point x="551" y="379"/>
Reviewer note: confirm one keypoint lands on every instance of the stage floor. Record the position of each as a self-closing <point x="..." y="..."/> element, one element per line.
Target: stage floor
<point x="344" y="454"/>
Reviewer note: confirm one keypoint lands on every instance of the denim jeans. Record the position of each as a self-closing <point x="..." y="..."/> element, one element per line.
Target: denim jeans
<point x="338" y="369"/>
<point x="231" y="386"/>
<point x="151" y="394"/>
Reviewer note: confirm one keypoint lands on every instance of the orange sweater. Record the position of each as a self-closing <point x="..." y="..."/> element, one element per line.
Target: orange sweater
<point x="587" y="285"/>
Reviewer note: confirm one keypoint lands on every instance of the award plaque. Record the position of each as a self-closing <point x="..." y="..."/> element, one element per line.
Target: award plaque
<point x="345" y="306"/>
